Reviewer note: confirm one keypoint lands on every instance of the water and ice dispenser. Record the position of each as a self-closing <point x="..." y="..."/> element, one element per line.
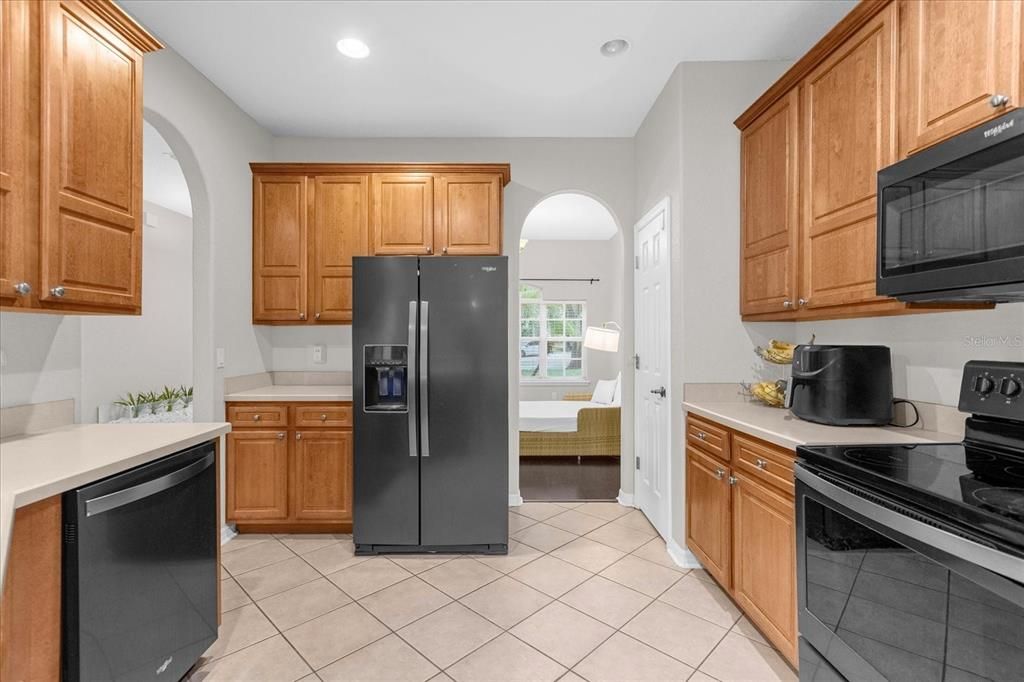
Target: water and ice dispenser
<point x="386" y="374"/>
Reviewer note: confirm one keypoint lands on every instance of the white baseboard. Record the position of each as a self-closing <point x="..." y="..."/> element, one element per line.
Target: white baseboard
<point x="515" y="499"/>
<point x="683" y="557"/>
<point x="226" y="533"/>
<point x="625" y="499"/>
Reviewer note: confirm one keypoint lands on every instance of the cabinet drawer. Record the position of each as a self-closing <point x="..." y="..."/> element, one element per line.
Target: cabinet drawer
<point x="707" y="436"/>
<point x="323" y="415"/>
<point x="770" y="465"/>
<point x="242" y="416"/>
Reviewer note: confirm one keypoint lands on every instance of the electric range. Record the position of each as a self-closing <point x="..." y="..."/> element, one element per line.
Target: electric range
<point x="911" y="556"/>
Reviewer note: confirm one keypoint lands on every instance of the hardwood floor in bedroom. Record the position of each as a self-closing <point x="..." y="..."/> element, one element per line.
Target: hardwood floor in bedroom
<point x="568" y="478"/>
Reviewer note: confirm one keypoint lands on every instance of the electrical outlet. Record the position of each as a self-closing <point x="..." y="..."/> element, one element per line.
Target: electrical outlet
<point x="318" y="354"/>
<point x="220" y="358"/>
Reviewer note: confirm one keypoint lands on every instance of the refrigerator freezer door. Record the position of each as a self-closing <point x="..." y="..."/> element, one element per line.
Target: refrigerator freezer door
<point x="386" y="504"/>
<point x="464" y="481"/>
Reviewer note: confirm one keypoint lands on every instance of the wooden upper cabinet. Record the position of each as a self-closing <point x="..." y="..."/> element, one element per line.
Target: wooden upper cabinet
<point x="848" y="136"/>
<point x="91" y="161"/>
<point x="402" y="219"/>
<point x="955" y="56"/>
<point x="341" y="207"/>
<point x="468" y="214"/>
<point x="15" y="181"/>
<point x="257" y="475"/>
<point x="764" y="561"/>
<point x="708" y="524"/>
<point x="322" y="475"/>
<point x="280" y="215"/>
<point x="769" y="209"/>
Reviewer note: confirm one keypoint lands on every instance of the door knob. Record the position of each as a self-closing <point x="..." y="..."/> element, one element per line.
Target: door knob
<point x="257" y="417"/>
<point x="787" y="304"/>
<point x="733" y="480"/>
<point x="720" y="473"/>
<point x="302" y="316"/>
<point x="317" y="316"/>
<point x="323" y="417"/>
<point x="761" y="464"/>
<point x="445" y="250"/>
<point x="659" y="391"/>
<point x="430" y="249"/>
<point x="57" y="291"/>
<point x="701" y="435"/>
<point x="998" y="101"/>
<point x="23" y="288"/>
<point x="280" y="435"/>
<point x="803" y="301"/>
<point x="298" y="436"/>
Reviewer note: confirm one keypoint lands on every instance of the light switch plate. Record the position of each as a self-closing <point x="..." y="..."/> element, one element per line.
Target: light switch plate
<point x="319" y="352"/>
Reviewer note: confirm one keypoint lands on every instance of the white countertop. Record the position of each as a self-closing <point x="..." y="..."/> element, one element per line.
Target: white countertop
<point x="292" y="393"/>
<point x="36" y="466"/>
<point x="779" y="426"/>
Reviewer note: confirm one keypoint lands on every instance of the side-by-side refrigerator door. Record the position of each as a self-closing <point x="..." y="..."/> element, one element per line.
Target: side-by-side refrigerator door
<point x="385" y="336"/>
<point x="464" y="401"/>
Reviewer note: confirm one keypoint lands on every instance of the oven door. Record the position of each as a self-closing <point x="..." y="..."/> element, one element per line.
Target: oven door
<point x="951" y="218"/>
<point x="879" y="601"/>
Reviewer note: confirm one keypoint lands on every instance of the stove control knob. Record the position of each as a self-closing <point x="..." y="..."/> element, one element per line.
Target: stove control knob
<point x="1010" y="387"/>
<point x="983" y="385"/>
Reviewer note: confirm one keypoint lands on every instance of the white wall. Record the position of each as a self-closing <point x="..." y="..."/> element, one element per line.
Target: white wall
<point x="41" y="358"/>
<point x="601" y="167"/>
<point x="578" y="259"/>
<point x="145" y="352"/>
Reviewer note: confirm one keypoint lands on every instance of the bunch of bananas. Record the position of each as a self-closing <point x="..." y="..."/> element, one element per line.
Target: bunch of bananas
<point x="777" y="352"/>
<point x="770" y="392"/>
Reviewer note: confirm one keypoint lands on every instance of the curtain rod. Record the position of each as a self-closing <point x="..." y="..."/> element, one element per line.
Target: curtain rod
<point x="589" y="280"/>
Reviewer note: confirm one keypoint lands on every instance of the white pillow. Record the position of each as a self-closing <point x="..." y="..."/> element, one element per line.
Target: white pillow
<point x="604" y="392"/>
<point x="617" y="396"/>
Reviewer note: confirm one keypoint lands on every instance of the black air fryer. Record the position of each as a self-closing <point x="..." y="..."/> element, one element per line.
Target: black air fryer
<point x="842" y="385"/>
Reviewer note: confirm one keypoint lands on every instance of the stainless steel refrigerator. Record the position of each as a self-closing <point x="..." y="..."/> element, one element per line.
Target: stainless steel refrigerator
<point x="430" y="392"/>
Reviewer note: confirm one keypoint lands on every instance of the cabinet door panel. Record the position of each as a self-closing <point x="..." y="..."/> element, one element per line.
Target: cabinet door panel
<point x="91" y="155"/>
<point x="769" y="209"/>
<point x="280" y="208"/>
<point x="340" y="231"/>
<point x="849" y="134"/>
<point x="468" y="210"/>
<point x="403" y="214"/>
<point x="955" y="55"/>
<point x="322" y="476"/>
<point x="764" y="561"/>
<point x="708" y="524"/>
<point x="15" y="181"/>
<point x="257" y="475"/>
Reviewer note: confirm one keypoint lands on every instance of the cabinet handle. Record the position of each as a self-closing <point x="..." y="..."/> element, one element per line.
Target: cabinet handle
<point x="257" y="417"/>
<point x="761" y="464"/>
<point x="999" y="101"/>
<point x="720" y="473"/>
<point x="317" y="316"/>
<point x="302" y="316"/>
<point x="57" y="291"/>
<point x="430" y="249"/>
<point x="280" y="435"/>
<point x="323" y="417"/>
<point x="445" y="250"/>
<point x="701" y="435"/>
<point x="298" y="436"/>
<point x="787" y="304"/>
<point x="733" y="480"/>
<point x="23" y="288"/>
<point x="803" y="301"/>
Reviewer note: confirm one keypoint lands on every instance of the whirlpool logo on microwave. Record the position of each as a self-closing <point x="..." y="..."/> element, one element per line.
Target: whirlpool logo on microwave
<point x="1001" y="128"/>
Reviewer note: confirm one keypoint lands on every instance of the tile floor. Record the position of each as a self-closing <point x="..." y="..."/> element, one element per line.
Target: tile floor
<point x="587" y="592"/>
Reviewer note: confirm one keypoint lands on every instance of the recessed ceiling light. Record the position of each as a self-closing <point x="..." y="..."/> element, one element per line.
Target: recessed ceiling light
<point x="615" y="47"/>
<point x="353" y="47"/>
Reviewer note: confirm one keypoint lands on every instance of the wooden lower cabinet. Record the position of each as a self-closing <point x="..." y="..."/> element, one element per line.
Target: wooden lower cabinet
<point x="741" y="526"/>
<point x="293" y="478"/>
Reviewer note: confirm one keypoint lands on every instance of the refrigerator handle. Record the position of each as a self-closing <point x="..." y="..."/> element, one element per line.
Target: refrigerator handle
<point x="424" y="380"/>
<point x="410" y="390"/>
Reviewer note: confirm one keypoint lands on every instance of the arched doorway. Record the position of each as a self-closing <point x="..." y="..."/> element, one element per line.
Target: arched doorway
<point x="569" y="355"/>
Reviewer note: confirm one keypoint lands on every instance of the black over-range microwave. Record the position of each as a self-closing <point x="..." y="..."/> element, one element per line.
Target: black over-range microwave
<point x="951" y="218"/>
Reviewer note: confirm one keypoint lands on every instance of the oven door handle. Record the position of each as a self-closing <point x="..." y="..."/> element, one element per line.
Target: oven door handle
<point x="972" y="552"/>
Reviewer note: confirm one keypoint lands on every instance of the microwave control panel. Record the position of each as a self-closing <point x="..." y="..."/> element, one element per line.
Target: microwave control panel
<point x="995" y="389"/>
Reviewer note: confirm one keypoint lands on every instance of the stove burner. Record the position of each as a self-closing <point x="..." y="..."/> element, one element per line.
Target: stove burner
<point x="877" y="457"/>
<point x="1009" y="501"/>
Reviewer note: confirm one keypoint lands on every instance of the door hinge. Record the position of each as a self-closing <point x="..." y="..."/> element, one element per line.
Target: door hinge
<point x="638" y="462"/>
<point x="636" y="361"/>
<point x="636" y="262"/>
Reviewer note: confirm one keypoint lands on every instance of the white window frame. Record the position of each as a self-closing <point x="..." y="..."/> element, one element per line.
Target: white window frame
<point x="543" y="339"/>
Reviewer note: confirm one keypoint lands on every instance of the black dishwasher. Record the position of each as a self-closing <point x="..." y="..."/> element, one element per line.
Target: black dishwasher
<point x="140" y="571"/>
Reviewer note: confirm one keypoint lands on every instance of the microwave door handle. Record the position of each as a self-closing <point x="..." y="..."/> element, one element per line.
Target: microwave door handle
<point x="424" y="379"/>
<point x="410" y="390"/>
<point x="105" y="503"/>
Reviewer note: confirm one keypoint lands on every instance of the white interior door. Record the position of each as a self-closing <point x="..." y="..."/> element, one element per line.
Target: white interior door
<point x="652" y="342"/>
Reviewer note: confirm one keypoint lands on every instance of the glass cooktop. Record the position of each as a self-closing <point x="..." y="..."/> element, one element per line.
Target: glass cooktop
<point x="978" y="489"/>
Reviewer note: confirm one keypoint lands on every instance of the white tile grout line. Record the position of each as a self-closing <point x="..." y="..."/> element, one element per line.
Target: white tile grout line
<point x="501" y="574"/>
